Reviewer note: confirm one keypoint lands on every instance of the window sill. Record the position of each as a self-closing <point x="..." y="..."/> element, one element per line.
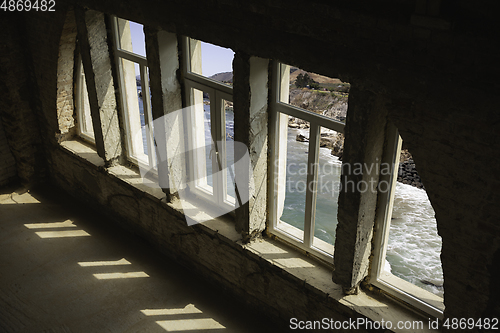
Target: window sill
<point x="304" y="271"/>
<point x="83" y="150"/>
<point x="318" y="279"/>
<point x="221" y="224"/>
<point x="408" y="292"/>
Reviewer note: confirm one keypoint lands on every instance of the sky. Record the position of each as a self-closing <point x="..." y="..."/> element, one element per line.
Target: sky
<point x="215" y="59"/>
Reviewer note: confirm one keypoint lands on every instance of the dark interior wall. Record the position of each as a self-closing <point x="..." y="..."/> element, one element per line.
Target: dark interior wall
<point x="439" y="88"/>
<point x="8" y="170"/>
<point x="19" y="102"/>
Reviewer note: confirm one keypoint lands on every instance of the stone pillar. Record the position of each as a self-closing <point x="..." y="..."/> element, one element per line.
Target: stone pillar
<point x="94" y="49"/>
<point x="364" y="143"/>
<point x="163" y="63"/>
<point x="251" y="77"/>
<point x="20" y="103"/>
<point x="65" y="80"/>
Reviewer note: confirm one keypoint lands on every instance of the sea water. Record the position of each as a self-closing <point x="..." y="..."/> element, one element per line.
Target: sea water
<point x="414" y="247"/>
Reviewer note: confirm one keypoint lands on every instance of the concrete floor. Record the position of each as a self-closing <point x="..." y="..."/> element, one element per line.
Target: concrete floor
<point x="64" y="269"/>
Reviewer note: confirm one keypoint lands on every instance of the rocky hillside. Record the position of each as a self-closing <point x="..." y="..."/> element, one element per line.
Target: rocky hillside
<point x="326" y="103"/>
<point x="407" y="172"/>
<point x="294" y="72"/>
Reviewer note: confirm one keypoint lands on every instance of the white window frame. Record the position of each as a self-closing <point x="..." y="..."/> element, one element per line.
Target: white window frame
<point x="405" y="291"/>
<point x="195" y="136"/>
<point x="280" y="110"/>
<point x="81" y="95"/>
<point x="134" y="153"/>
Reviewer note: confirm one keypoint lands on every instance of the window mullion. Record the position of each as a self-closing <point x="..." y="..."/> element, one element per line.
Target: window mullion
<point x="214" y="120"/>
<point x="309" y="116"/>
<point x="122" y="89"/>
<point x="198" y="162"/>
<point x="142" y="61"/>
<point x="312" y="176"/>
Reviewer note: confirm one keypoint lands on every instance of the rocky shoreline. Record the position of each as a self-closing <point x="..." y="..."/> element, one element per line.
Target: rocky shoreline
<point x="335" y="107"/>
<point x="332" y="140"/>
<point x="326" y="104"/>
<point x="407" y="173"/>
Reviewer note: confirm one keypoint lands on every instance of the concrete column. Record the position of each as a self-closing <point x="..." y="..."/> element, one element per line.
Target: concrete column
<point x="364" y="143"/>
<point x="65" y="80"/>
<point x="94" y="48"/>
<point x="251" y="76"/>
<point x="163" y="63"/>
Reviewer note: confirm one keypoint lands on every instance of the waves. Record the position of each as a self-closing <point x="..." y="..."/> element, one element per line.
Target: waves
<point x="414" y="245"/>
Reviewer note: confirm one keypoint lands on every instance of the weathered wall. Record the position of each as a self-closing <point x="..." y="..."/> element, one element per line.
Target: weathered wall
<point x="65" y="78"/>
<point x="19" y="102"/>
<point x="439" y="88"/>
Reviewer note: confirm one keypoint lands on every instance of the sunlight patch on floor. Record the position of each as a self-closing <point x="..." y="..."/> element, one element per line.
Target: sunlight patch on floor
<point x="189" y="309"/>
<point x="65" y="224"/>
<point x="129" y="275"/>
<point x="188" y="324"/>
<point x="293" y="262"/>
<point x="60" y="234"/>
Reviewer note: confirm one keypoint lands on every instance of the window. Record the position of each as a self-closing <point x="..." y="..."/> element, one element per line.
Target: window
<point x="406" y="261"/>
<point x="84" y="118"/>
<point x="305" y="177"/>
<point x="129" y="49"/>
<point x="210" y="125"/>
<point x="308" y="113"/>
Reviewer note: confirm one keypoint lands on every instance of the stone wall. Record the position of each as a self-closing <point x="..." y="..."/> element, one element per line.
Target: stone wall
<point x="20" y="108"/>
<point x="407" y="171"/>
<point x="8" y="170"/>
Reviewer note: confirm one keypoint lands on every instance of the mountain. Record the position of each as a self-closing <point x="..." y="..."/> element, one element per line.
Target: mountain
<point x="223" y="77"/>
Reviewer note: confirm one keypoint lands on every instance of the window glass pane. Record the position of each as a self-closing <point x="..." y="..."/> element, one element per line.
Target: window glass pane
<point x="203" y="151"/>
<point x="329" y="169"/>
<point x="138" y="39"/>
<point x="86" y="127"/>
<point x="414" y="247"/>
<point x="131" y="37"/>
<point x="229" y="138"/>
<point x="212" y="61"/>
<point x="297" y="148"/>
<point x="209" y="148"/>
<point x="317" y="93"/>
<point x="135" y="111"/>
